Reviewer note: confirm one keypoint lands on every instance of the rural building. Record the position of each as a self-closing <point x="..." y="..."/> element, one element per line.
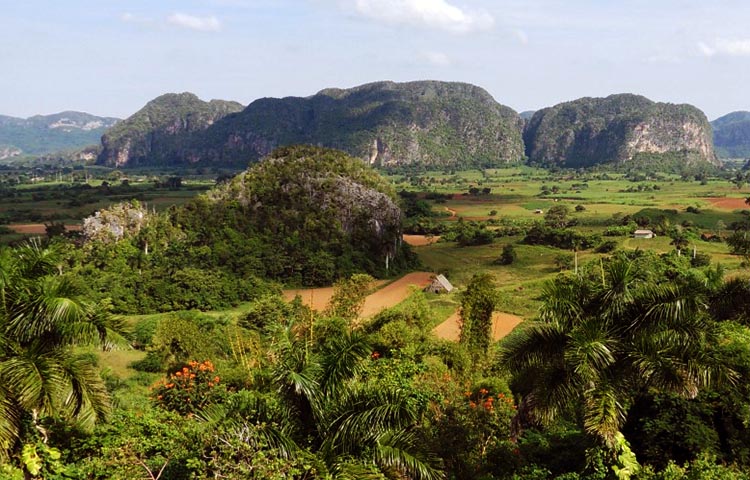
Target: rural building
<point x="643" y="234"/>
<point x="538" y="211"/>
<point x="439" y="284"/>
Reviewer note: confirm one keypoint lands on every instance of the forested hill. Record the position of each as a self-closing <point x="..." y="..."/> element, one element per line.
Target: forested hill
<point x="42" y="134"/>
<point x="616" y="129"/>
<point x="732" y="135"/>
<point x="384" y="123"/>
<point x="162" y="131"/>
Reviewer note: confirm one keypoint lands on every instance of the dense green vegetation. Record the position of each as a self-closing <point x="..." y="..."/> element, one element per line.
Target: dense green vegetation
<point x="630" y="363"/>
<point x="305" y="216"/>
<point x="159" y="133"/>
<point x="615" y="129"/>
<point x="431" y="123"/>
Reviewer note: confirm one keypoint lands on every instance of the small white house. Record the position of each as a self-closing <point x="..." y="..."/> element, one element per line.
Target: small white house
<point x="538" y="211"/>
<point x="643" y="234"/>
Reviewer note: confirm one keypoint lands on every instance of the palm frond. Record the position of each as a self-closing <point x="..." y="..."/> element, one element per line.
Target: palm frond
<point x="604" y="414"/>
<point x="340" y="359"/>
<point x="399" y="450"/>
<point x="364" y="415"/>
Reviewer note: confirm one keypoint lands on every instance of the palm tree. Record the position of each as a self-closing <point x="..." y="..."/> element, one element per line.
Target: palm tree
<point x="679" y="241"/>
<point x="597" y="344"/>
<point x="42" y="317"/>
<point x="354" y="430"/>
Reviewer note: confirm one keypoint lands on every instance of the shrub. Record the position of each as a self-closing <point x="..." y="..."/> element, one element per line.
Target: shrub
<point x="606" y="247"/>
<point x="700" y="260"/>
<point x="189" y="389"/>
<point x="508" y="256"/>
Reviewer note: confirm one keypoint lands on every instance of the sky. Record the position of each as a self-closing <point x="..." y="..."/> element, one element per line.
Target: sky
<point x="110" y="57"/>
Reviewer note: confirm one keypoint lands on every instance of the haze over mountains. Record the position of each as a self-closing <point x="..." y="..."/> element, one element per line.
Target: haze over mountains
<point x="732" y="135"/>
<point x="429" y="123"/>
<point x="42" y="134"/>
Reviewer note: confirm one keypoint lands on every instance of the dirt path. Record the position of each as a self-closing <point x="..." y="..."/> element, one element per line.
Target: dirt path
<point x="728" y="203"/>
<point x="502" y="325"/>
<point x="386" y="297"/>
<point x="37" y="228"/>
<point x="452" y="212"/>
<point x="421" y="240"/>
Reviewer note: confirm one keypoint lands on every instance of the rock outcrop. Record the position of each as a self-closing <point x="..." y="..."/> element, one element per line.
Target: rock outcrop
<point x="618" y="129"/>
<point x="162" y="131"/>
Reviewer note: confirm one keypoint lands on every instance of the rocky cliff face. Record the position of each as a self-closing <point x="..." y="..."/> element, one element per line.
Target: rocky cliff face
<point x="732" y="135"/>
<point x="385" y="123"/>
<point x="617" y="129"/>
<point x="160" y="133"/>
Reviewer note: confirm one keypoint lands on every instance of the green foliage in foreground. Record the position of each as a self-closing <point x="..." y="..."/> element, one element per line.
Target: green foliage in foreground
<point x="629" y="372"/>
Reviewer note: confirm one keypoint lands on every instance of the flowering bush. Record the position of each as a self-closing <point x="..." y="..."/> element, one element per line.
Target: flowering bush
<point x="188" y="390"/>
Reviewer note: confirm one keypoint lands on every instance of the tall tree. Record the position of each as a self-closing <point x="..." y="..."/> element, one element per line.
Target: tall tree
<point x="599" y="343"/>
<point x="477" y="305"/>
<point x="42" y="318"/>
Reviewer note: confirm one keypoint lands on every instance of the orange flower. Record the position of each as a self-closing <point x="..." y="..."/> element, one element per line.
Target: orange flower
<point x="216" y="379"/>
<point x="178" y="374"/>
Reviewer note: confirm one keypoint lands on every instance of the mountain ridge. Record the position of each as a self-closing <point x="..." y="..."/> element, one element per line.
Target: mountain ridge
<point x="732" y="134"/>
<point x="44" y="134"/>
<point x="384" y="123"/>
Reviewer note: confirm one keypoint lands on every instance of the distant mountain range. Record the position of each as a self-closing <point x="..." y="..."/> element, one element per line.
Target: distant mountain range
<point x="428" y="123"/>
<point x="384" y="123"/>
<point x="732" y="135"/>
<point x="43" y="134"/>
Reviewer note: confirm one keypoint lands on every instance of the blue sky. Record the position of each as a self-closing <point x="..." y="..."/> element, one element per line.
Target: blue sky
<point x="109" y="57"/>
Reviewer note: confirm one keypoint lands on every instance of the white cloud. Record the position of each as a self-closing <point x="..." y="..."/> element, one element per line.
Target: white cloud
<point x="438" y="14"/>
<point x="727" y="47"/>
<point x="192" y="22"/>
<point x="128" y="17"/>
<point x="438" y="59"/>
<point x="521" y="36"/>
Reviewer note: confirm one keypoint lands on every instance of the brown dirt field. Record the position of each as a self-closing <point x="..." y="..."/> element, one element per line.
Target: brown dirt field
<point x="394" y="293"/>
<point x="728" y="203"/>
<point x="502" y="325"/>
<point x="318" y="297"/>
<point x="420" y="240"/>
<point x="38" y="228"/>
<point x="387" y="297"/>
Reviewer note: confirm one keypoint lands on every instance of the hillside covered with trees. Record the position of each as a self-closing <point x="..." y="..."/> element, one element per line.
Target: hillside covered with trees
<point x="732" y="135"/>
<point x="303" y="216"/>
<point x="618" y="129"/>
<point x="383" y="123"/>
